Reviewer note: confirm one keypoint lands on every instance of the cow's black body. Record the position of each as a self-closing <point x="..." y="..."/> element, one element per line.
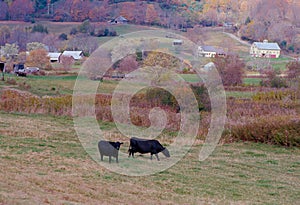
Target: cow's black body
<point x="144" y="146"/>
<point x="110" y="149"/>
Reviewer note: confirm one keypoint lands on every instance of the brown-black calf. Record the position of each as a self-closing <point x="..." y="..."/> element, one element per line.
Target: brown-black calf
<point x="110" y="149"/>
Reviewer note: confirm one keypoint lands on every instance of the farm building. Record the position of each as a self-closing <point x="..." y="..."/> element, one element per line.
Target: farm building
<point x="265" y="50"/>
<point x="77" y="55"/>
<point x="210" y="51"/>
<point x="54" y="57"/>
<point x="177" y="42"/>
<point x="119" y="20"/>
<point x="2" y="69"/>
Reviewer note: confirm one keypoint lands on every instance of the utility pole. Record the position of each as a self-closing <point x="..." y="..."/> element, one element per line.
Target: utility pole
<point x="48" y="6"/>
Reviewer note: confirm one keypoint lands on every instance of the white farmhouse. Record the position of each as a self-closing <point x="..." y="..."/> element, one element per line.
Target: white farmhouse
<point x="210" y="51"/>
<point x="265" y="50"/>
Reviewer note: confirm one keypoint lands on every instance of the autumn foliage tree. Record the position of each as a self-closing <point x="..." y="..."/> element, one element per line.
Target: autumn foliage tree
<point x="231" y="69"/>
<point x="271" y="19"/>
<point x="151" y="14"/>
<point x="159" y="66"/>
<point x="39" y="58"/>
<point x="4" y="10"/>
<point x="20" y="9"/>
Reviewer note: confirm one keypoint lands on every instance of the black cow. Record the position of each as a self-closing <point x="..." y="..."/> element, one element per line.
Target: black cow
<point x="110" y="149"/>
<point x="146" y="146"/>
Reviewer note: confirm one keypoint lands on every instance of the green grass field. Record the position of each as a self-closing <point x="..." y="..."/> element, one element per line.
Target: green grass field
<point x="252" y="81"/>
<point x="240" y="94"/>
<point x="57" y="85"/>
<point x="43" y="162"/>
<point x="53" y="85"/>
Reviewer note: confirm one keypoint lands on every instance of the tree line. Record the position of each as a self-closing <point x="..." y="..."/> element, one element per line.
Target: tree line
<point x="276" y="20"/>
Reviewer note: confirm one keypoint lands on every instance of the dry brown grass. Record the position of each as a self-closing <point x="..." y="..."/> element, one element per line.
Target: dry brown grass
<point x="42" y="162"/>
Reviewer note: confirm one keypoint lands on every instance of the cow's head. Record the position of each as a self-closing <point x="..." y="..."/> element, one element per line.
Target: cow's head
<point x="166" y="152"/>
<point x="118" y="145"/>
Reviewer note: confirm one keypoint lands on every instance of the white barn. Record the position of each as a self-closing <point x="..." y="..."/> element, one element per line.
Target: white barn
<point x="77" y="55"/>
<point x="54" y="57"/>
<point x="265" y="50"/>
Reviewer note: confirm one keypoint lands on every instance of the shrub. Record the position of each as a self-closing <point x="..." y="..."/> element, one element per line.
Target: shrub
<point x="39" y="28"/>
<point x="23" y="85"/>
<point x="63" y="37"/>
<point x="278" y="130"/>
<point x="11" y="81"/>
<point x="278" y="82"/>
<point x="276" y="95"/>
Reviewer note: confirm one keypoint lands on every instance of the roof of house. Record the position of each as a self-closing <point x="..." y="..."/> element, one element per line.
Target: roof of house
<point x="267" y="46"/>
<point x="54" y="55"/>
<point x="75" y="54"/>
<point x="121" y="18"/>
<point x="211" y="49"/>
<point x="177" y="41"/>
<point x="208" y="48"/>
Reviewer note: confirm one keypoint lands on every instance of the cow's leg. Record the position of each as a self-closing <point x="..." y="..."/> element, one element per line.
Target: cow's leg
<point x="132" y="153"/>
<point x="129" y="152"/>
<point x="117" y="160"/>
<point x="101" y="157"/>
<point x="157" y="156"/>
<point x="151" y="156"/>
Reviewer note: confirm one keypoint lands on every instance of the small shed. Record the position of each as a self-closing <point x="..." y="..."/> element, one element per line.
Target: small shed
<point x="119" y="20"/>
<point x="177" y="42"/>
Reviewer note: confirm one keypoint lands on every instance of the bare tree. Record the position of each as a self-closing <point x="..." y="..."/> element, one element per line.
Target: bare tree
<point x="4" y="34"/>
<point x="231" y="69"/>
<point x="128" y="64"/>
<point x="67" y="62"/>
<point x="293" y="70"/>
<point x="4" y="10"/>
<point x="83" y="42"/>
<point x="20" y="36"/>
<point x="51" y="42"/>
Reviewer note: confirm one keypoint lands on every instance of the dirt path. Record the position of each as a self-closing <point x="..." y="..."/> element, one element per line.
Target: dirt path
<point x="237" y="38"/>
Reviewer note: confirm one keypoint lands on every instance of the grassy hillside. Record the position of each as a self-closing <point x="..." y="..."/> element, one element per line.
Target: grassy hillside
<point x="43" y="162"/>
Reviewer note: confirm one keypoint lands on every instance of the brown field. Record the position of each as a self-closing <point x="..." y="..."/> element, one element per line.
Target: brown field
<point x="42" y="162"/>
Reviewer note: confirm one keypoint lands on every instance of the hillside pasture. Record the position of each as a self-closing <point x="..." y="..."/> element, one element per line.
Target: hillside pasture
<point x="42" y="161"/>
<point x="52" y="85"/>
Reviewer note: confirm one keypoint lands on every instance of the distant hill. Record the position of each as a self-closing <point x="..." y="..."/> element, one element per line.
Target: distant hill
<point x="178" y="12"/>
<point x="255" y="20"/>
